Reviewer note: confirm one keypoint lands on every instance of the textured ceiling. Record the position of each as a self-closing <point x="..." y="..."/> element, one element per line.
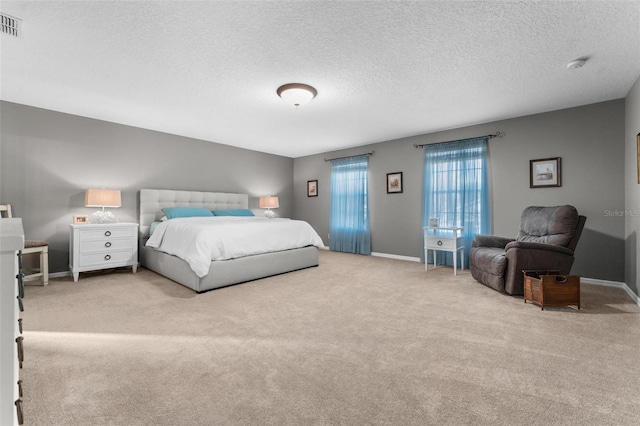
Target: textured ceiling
<point x="383" y="69"/>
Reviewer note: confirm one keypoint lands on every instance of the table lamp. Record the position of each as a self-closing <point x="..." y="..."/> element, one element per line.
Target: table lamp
<point x="269" y="203"/>
<point x="102" y="198"/>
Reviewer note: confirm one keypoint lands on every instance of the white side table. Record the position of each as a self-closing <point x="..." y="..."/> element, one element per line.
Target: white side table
<point x="444" y="239"/>
<point x="102" y="246"/>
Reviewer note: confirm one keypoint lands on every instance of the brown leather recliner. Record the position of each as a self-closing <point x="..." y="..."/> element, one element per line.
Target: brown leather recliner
<point x="547" y="239"/>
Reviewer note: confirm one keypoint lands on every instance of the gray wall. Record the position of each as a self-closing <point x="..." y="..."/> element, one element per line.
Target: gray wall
<point x="590" y="140"/>
<point x="632" y="188"/>
<point x="48" y="159"/>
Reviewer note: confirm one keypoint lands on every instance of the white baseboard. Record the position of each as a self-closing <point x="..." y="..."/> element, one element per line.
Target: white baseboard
<point x="52" y="275"/>
<point x="396" y="256"/>
<point x="60" y="274"/>
<point x="616" y="284"/>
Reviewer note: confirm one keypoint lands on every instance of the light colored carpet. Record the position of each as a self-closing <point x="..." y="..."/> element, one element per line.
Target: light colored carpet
<point x="355" y="341"/>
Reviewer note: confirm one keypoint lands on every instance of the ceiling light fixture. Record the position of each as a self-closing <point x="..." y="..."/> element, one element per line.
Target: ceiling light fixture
<point x="577" y="63"/>
<point x="297" y="93"/>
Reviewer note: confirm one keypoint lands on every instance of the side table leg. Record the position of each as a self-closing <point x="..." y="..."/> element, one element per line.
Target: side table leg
<point x="455" y="269"/>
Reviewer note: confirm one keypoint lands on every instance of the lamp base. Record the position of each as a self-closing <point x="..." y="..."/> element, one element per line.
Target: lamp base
<point x="269" y="213"/>
<point x="103" y="217"/>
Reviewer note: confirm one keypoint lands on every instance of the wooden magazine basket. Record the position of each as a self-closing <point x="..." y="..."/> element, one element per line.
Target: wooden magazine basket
<point x="550" y="288"/>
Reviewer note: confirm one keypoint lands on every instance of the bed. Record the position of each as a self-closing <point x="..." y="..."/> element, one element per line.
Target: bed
<point x="221" y="273"/>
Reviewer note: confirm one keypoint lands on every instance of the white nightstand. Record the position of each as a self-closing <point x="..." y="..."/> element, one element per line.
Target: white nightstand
<point x="444" y="239"/>
<point x="102" y="246"/>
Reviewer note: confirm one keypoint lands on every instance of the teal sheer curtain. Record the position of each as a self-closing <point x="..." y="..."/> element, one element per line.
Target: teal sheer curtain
<point x="349" y="229"/>
<point x="456" y="190"/>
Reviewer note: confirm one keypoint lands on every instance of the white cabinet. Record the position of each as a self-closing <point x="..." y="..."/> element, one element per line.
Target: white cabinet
<point x="444" y="239"/>
<point x="11" y="242"/>
<point x="102" y="246"/>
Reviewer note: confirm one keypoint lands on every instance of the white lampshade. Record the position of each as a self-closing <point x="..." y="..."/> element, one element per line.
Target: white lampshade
<point x="269" y="202"/>
<point x="102" y="198"/>
<point x="297" y="93"/>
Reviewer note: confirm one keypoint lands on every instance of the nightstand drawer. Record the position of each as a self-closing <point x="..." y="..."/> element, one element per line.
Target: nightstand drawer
<point x="106" y="245"/>
<point x="104" y="259"/>
<point x="440" y="243"/>
<point x="106" y="233"/>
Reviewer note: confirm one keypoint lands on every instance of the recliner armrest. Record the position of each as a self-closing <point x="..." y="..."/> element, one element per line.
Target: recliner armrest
<point x="491" y="241"/>
<point x="526" y="245"/>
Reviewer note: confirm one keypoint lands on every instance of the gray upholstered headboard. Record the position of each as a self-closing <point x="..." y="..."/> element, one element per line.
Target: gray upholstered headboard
<point x="152" y="201"/>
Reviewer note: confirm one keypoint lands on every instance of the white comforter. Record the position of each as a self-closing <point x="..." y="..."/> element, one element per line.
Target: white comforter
<point x="199" y="240"/>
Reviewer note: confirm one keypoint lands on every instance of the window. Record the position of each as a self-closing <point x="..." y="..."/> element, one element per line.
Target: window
<point x="349" y="216"/>
<point x="456" y="189"/>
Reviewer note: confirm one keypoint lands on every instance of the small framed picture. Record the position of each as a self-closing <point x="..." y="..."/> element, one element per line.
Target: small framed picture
<point x="545" y="173"/>
<point x="312" y="188"/>
<point x="394" y="183"/>
<point x="80" y="219"/>
<point x="638" y="157"/>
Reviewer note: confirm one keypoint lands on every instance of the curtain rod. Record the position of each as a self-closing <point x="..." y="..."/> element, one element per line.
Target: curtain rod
<point x="495" y="135"/>
<point x="350" y="156"/>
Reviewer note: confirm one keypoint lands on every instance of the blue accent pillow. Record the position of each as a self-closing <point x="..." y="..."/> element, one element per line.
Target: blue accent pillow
<point x="175" y="212"/>
<point x="233" y="212"/>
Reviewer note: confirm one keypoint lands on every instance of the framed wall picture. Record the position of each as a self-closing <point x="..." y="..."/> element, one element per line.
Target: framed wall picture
<point x="394" y="183"/>
<point x="312" y="188"/>
<point x="80" y="219"/>
<point x="545" y="172"/>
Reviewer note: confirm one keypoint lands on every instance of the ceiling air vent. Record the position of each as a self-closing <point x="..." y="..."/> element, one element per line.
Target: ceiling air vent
<point x="10" y="25"/>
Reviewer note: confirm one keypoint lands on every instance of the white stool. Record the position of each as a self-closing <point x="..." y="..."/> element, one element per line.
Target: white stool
<point x="41" y="247"/>
<point x="30" y="247"/>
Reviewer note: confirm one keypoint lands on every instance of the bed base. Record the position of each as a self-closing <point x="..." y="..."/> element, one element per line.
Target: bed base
<point x="223" y="273"/>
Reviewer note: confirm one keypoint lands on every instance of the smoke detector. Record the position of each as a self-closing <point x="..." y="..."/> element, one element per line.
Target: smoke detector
<point x="10" y="25"/>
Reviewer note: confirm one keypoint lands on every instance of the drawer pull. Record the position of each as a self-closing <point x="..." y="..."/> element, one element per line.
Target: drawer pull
<point x="19" y="340"/>
<point x="107" y="234"/>
<point x="439" y="242"/>
<point x="19" y="411"/>
<point x="20" y="325"/>
<point x="107" y="244"/>
<point x="20" y="304"/>
<point x="20" y="278"/>
<point x="20" y="388"/>
<point x="107" y="257"/>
